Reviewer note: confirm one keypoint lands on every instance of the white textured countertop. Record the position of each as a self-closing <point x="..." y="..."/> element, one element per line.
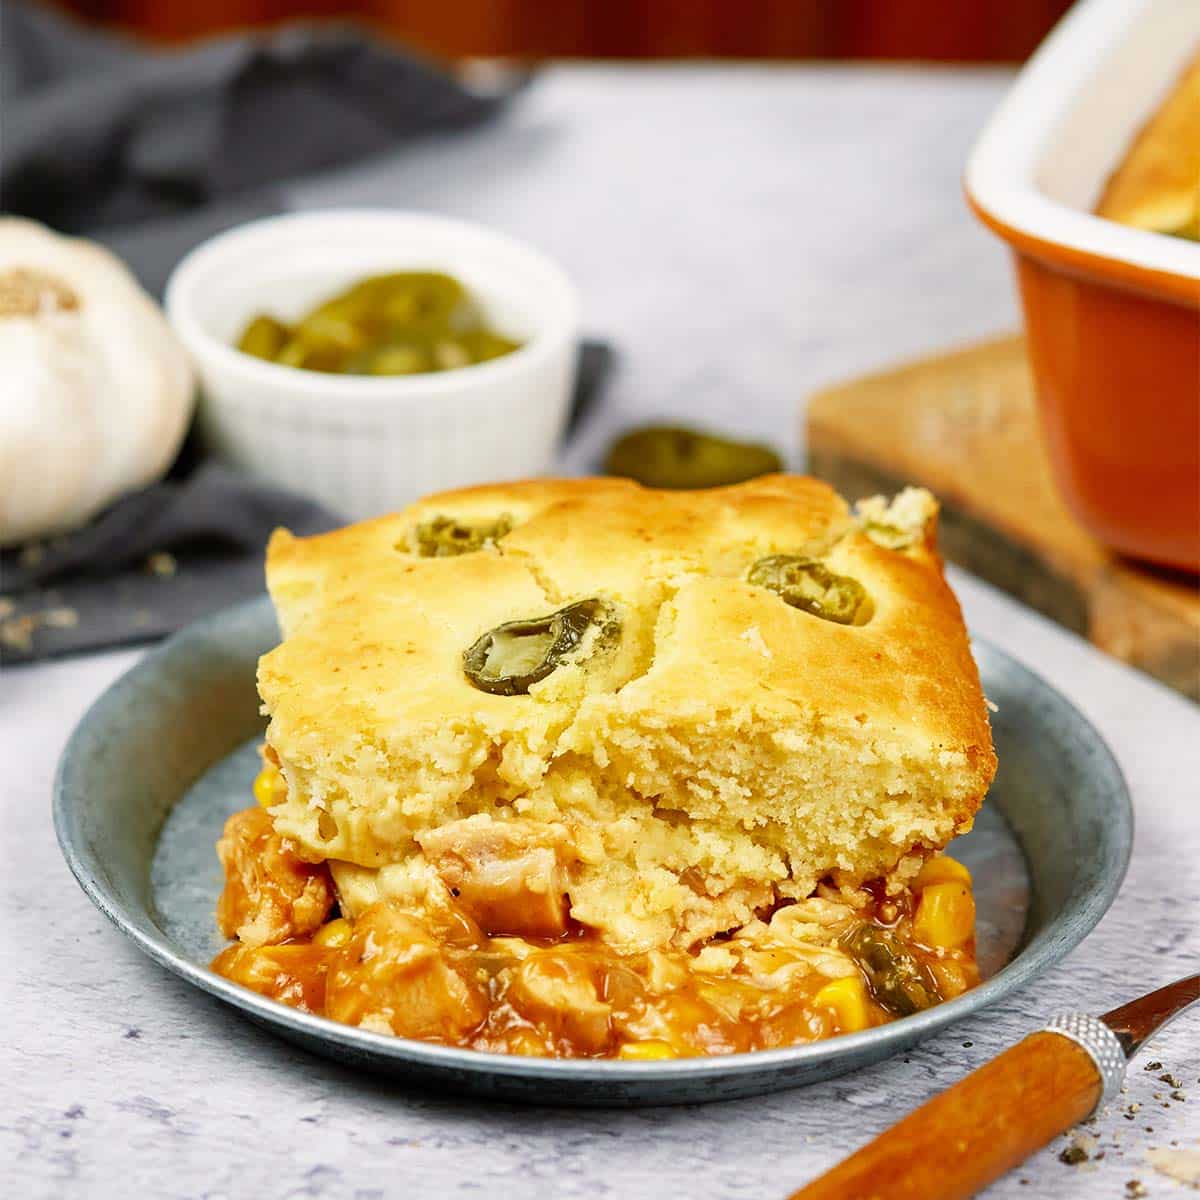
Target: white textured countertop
<point x="743" y="236"/>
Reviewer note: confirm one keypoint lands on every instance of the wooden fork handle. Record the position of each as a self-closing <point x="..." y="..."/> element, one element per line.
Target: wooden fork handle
<point x="960" y="1141"/>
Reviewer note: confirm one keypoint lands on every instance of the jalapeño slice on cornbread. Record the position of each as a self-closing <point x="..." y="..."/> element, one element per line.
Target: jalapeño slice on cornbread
<point x="653" y="713"/>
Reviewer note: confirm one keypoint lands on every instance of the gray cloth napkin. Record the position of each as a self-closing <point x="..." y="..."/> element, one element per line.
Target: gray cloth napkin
<point x="151" y="152"/>
<point x="151" y="563"/>
<point x="101" y="132"/>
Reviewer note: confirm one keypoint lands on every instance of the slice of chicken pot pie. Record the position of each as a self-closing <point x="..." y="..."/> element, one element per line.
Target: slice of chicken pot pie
<point x="592" y="769"/>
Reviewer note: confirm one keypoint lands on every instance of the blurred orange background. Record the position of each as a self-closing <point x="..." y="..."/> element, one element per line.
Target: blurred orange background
<point x="937" y="30"/>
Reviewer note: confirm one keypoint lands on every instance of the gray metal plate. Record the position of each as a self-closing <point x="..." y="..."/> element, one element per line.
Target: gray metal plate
<point x="167" y="753"/>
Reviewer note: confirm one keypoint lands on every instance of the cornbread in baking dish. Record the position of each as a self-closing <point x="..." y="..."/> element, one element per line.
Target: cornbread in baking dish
<point x="1157" y="185"/>
<point x="705" y="751"/>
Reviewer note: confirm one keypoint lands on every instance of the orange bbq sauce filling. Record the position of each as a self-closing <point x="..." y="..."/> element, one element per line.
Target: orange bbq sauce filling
<point x="467" y="975"/>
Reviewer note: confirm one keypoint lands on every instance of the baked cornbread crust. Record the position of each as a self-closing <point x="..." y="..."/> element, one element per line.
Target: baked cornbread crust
<point x="723" y="752"/>
<point x="1157" y="185"/>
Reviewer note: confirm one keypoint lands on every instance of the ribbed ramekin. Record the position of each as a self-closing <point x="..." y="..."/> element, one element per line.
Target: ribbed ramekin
<point x="365" y="445"/>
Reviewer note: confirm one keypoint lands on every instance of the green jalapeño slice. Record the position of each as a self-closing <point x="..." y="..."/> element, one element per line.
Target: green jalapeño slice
<point x="811" y="586"/>
<point x="510" y="659"/>
<point x="444" y="537"/>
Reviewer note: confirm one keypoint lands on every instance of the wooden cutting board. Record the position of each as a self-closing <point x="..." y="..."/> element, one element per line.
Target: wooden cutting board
<point x="964" y="426"/>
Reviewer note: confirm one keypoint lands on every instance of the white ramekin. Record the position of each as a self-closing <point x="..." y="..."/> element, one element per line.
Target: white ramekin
<point x="364" y="445"/>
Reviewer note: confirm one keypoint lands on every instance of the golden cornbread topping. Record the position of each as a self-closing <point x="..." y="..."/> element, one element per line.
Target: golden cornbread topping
<point x="696" y="703"/>
<point x="826" y="965"/>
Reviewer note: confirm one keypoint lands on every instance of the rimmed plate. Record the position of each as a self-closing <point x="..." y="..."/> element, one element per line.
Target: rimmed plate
<point x="164" y="755"/>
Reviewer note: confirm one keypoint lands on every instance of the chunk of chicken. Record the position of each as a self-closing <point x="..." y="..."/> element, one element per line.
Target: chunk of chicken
<point x="393" y="977"/>
<point x="507" y="875"/>
<point x="557" y="990"/>
<point x="270" y="893"/>
<point x="292" y="974"/>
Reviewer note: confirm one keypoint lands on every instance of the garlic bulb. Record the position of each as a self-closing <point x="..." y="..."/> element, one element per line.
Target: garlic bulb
<point x="95" y="392"/>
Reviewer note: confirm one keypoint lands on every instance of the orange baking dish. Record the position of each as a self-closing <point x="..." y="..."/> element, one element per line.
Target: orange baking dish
<point x="1112" y="313"/>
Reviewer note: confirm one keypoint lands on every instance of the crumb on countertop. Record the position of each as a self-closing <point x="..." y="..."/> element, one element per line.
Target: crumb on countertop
<point x="162" y="563"/>
<point x="18" y="632"/>
<point x="1080" y="1149"/>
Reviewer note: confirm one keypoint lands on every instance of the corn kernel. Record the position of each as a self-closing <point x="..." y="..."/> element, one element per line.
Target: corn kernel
<point x="269" y="787"/>
<point x="334" y="934"/>
<point x="848" y="999"/>
<point x="941" y="868"/>
<point x="645" y="1051"/>
<point x="945" y="916"/>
